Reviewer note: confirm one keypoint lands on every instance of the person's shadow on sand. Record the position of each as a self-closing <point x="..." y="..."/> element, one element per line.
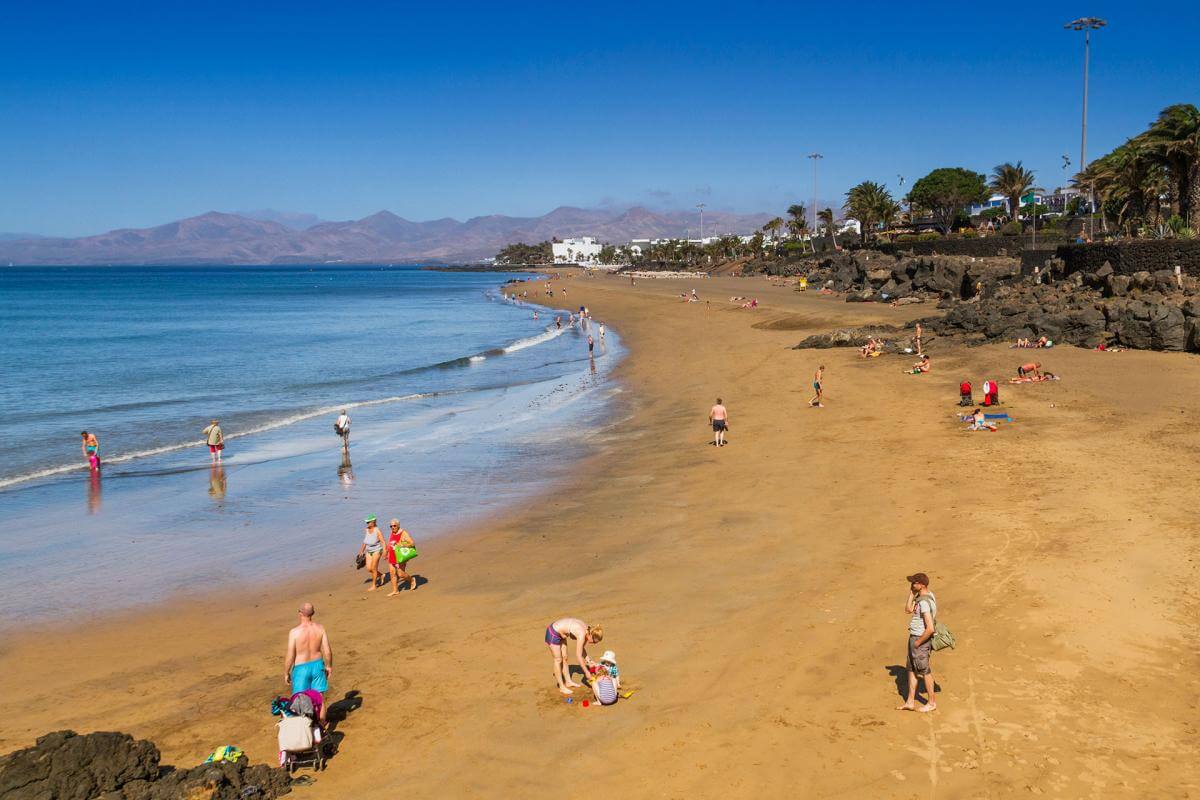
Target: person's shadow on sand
<point x="900" y="673"/>
<point x="336" y="714"/>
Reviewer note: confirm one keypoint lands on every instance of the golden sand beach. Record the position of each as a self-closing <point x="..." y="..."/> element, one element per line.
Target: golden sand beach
<point x="753" y="594"/>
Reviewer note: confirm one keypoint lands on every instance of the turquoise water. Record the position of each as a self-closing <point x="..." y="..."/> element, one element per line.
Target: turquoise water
<point x="461" y="402"/>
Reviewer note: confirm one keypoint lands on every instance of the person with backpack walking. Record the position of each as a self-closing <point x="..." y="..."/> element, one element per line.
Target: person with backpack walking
<point x="921" y="607"/>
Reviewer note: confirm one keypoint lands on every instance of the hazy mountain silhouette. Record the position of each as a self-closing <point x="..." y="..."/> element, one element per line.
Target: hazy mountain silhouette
<point x="383" y="237"/>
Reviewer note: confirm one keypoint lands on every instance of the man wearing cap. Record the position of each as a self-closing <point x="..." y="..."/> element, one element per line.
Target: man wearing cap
<point x="309" y="660"/>
<point x="922" y="608"/>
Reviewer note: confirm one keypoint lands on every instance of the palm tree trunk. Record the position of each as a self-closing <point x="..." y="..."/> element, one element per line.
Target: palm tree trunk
<point x="1192" y="211"/>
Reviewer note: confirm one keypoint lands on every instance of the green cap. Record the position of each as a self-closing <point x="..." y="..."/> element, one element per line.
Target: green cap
<point x="370" y="518"/>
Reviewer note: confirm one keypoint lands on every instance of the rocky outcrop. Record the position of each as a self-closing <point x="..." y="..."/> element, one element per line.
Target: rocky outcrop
<point x="1144" y="311"/>
<point x="854" y="337"/>
<point x="114" y="766"/>
<point x="874" y="276"/>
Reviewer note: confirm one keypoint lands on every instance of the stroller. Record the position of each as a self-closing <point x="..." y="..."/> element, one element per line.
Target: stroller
<point x="300" y="737"/>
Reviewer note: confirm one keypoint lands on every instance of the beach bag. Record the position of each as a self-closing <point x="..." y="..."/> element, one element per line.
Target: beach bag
<point x="942" y="637"/>
<point x="295" y="733"/>
<point x="360" y="561"/>
<point x="404" y="554"/>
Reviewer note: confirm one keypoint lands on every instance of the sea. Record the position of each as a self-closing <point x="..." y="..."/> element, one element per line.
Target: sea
<point x="462" y="403"/>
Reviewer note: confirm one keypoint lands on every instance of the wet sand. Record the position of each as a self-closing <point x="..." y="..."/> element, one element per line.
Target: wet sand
<point x="753" y="595"/>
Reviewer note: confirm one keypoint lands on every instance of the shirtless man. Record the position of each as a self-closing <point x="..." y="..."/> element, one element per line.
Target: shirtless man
<point x="309" y="660"/>
<point x="719" y="417"/>
<point x="818" y="387"/>
<point x="918" y="339"/>
<point x="591" y="345"/>
<point x="1033" y="368"/>
<point x="557" y="634"/>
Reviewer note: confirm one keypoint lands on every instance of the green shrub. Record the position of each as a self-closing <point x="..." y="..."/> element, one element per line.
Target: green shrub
<point x="906" y="237"/>
<point x="1012" y="228"/>
<point x="928" y="236"/>
<point x="970" y="234"/>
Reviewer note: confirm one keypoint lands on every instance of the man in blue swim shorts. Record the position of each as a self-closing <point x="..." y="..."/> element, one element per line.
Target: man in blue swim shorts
<point x="309" y="659"/>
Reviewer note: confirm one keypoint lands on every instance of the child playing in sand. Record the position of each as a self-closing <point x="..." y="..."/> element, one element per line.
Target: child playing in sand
<point x="606" y="680"/>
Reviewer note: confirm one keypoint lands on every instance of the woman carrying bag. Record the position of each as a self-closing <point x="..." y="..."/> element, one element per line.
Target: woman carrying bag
<point x="400" y="550"/>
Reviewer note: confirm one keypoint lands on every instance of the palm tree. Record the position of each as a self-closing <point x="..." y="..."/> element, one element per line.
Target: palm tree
<point x="826" y="218"/>
<point x="1174" y="141"/>
<point x="1012" y="181"/>
<point x="798" y="224"/>
<point x="869" y="202"/>
<point x="772" y="227"/>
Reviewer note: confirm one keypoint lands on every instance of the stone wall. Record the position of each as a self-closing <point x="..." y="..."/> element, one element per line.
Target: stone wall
<point x="983" y="247"/>
<point x="1127" y="258"/>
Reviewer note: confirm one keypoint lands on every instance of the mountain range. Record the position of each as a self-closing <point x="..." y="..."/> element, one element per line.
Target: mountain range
<point x="221" y="238"/>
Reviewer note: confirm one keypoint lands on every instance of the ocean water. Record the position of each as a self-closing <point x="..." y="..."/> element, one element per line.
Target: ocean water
<point x="461" y="403"/>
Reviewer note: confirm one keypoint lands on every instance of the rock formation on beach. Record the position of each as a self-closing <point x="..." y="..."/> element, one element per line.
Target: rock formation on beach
<point x="114" y="766"/>
<point x="990" y="300"/>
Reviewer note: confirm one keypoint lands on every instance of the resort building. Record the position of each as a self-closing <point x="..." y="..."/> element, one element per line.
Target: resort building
<point x="585" y="250"/>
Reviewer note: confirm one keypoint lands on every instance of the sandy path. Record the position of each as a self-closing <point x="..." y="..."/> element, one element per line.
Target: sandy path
<point x="754" y="595"/>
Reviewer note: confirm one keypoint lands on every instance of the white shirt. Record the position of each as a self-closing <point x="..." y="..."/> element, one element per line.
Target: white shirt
<point x="343" y="422"/>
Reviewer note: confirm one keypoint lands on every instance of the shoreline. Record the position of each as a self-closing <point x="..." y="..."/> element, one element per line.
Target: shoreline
<point x="752" y="594"/>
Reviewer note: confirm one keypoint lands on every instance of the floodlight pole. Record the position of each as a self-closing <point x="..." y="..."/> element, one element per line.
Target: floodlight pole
<point x="815" y="157"/>
<point x="1087" y="25"/>
<point x="701" y="207"/>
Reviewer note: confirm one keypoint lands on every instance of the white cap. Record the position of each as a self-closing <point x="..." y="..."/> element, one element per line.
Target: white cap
<point x="609" y="656"/>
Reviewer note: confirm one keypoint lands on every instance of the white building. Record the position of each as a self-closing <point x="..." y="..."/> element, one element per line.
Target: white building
<point x="585" y="250"/>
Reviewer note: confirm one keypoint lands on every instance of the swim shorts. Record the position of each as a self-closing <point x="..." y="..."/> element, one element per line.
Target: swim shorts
<point x="1021" y="372"/>
<point x="719" y="425"/>
<point x="309" y="675"/>
<point x="816" y="386"/>
<point x="212" y="448"/>
<point x="552" y="636"/>
<point x="918" y="656"/>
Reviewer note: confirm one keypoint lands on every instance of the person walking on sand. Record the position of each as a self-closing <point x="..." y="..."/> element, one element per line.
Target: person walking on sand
<point x="400" y="550"/>
<point x="917" y="339"/>
<point x="90" y="447"/>
<point x="818" y="388"/>
<point x="215" y="441"/>
<point x="921" y="607"/>
<point x="557" y="634"/>
<point x="309" y="660"/>
<point x="341" y="426"/>
<point x="372" y="548"/>
<point x="718" y="416"/>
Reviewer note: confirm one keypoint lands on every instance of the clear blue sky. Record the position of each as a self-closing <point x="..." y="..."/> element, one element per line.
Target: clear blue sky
<point x="137" y="113"/>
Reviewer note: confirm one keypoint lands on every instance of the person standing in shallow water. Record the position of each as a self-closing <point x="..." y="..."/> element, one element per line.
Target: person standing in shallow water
<point x="215" y="441"/>
<point x="91" y="449"/>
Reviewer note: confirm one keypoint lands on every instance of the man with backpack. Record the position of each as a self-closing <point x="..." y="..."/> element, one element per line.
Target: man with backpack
<point x="921" y="607"/>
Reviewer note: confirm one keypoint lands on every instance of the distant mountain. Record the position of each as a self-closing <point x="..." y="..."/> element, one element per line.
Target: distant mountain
<point x="218" y="238"/>
<point x="9" y="237"/>
<point x="297" y="221"/>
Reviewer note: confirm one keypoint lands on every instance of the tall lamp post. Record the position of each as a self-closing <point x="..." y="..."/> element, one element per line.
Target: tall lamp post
<point x="701" y="207"/>
<point x="1087" y="25"/>
<point x="815" y="157"/>
<point x="901" y="179"/>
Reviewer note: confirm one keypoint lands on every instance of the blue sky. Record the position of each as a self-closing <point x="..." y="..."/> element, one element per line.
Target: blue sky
<point x="134" y="114"/>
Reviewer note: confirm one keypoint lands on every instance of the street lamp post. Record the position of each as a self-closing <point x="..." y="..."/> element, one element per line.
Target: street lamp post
<point x="1087" y="25"/>
<point x="701" y="207"/>
<point x="901" y="179"/>
<point x="815" y="158"/>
